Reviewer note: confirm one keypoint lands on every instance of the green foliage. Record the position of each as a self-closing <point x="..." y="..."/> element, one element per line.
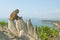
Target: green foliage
<point x="54" y="32"/>
<point x="44" y="32"/>
<point x="3" y="23"/>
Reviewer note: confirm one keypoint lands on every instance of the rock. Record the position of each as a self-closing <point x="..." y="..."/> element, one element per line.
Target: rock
<point x="12" y="28"/>
<point x="19" y="31"/>
<point x="30" y="26"/>
<point x="35" y="34"/>
<point x="20" y="25"/>
<point x="26" y="32"/>
<point x="31" y="31"/>
<point x="3" y="36"/>
<point x="2" y="28"/>
<point x="24" y="37"/>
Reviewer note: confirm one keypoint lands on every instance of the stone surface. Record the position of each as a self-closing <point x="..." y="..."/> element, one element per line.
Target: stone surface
<point x="4" y="37"/>
<point x="18" y="31"/>
<point x="30" y="26"/>
<point x="2" y="28"/>
<point x="12" y="27"/>
<point x="20" y="25"/>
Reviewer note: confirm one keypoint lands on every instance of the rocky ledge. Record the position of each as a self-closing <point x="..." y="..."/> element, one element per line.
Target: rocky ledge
<point x="18" y="31"/>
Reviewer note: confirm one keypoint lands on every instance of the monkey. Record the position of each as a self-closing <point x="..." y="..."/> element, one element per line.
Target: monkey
<point x="14" y="15"/>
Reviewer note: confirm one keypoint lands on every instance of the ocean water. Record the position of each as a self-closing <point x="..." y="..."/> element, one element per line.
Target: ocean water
<point x="38" y="22"/>
<point x="35" y="22"/>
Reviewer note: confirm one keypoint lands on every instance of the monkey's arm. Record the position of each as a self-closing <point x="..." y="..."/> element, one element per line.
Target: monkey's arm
<point x="17" y="17"/>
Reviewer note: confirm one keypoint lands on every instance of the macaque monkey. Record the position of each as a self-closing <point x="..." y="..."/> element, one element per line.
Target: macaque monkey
<point x="14" y="15"/>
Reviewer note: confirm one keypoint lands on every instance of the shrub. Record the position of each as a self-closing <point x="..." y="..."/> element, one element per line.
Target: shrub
<point x="3" y="23"/>
<point x="44" y="32"/>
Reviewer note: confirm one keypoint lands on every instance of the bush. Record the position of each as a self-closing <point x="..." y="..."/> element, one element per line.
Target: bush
<point x="3" y="23"/>
<point x="44" y="32"/>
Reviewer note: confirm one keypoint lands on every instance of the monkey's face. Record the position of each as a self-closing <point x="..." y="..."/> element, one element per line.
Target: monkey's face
<point x="17" y="11"/>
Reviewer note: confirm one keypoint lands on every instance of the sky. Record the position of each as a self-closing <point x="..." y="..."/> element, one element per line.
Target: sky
<point x="31" y="8"/>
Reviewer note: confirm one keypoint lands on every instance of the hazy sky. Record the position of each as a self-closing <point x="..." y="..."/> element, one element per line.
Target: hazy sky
<point x="31" y="8"/>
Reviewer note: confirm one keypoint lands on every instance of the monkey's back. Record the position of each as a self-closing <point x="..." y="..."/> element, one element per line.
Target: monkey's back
<point x="13" y="15"/>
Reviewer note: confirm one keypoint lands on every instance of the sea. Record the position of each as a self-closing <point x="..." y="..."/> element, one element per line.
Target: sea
<point x="35" y="21"/>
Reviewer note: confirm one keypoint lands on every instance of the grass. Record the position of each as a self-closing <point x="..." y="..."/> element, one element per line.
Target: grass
<point x="4" y="23"/>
